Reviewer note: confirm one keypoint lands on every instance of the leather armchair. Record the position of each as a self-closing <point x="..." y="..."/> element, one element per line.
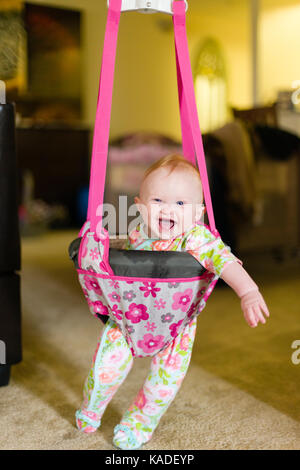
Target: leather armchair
<point x="10" y="262"/>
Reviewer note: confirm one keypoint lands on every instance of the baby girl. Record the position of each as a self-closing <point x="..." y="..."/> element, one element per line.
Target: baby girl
<point x="170" y="202"/>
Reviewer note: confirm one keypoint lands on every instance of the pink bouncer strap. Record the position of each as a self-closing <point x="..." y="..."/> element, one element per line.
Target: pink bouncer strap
<point x="191" y="134"/>
<point x="102" y="121"/>
<point x="190" y="128"/>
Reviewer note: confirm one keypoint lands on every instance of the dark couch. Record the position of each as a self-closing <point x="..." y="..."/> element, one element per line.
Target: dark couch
<point x="10" y="263"/>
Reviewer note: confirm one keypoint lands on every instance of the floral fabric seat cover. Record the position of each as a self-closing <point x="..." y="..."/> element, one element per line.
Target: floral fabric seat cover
<point x="150" y="311"/>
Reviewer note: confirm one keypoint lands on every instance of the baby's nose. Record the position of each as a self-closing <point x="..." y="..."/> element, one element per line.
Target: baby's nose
<point x="167" y="209"/>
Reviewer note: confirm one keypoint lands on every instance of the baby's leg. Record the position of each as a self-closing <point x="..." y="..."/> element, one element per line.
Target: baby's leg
<point x="167" y="372"/>
<point x="111" y="363"/>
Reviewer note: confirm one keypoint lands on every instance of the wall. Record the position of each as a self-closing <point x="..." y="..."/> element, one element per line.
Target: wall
<point x="146" y="80"/>
<point x="145" y="89"/>
<point x="279" y="62"/>
<point x="93" y="23"/>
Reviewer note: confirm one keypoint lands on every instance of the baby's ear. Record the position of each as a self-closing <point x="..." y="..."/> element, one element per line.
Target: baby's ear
<point x="138" y="203"/>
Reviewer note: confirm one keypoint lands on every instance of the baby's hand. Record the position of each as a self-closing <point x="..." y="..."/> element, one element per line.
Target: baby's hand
<point x="253" y="305"/>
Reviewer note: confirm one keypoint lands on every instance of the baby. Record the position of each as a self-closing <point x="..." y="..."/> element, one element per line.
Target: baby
<point x="170" y="203"/>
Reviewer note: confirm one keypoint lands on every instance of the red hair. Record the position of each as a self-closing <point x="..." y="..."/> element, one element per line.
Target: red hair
<point x="171" y="161"/>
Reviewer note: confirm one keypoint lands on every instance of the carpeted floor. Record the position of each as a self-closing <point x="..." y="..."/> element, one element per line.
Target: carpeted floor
<point x="241" y="390"/>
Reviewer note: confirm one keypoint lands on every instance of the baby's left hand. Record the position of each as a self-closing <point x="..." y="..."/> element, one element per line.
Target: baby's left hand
<point x="253" y="306"/>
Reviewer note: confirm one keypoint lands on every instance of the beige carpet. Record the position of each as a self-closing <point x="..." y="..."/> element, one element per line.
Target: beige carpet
<point x="241" y="390"/>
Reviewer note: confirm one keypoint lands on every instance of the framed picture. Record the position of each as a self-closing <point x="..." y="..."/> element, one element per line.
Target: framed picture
<point x="12" y="48"/>
<point x="53" y="63"/>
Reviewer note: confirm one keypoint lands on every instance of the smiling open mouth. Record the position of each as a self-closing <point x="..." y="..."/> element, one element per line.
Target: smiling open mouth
<point x="166" y="224"/>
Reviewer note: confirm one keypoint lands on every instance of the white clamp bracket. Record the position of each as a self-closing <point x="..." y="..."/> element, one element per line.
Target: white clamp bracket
<point x="149" y="6"/>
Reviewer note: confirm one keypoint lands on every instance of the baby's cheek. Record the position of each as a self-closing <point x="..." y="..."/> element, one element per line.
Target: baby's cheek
<point x="145" y="213"/>
<point x="188" y="217"/>
<point x="153" y="213"/>
<point x="151" y="220"/>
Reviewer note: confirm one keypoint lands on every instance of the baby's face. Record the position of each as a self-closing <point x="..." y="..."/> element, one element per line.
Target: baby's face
<point x="170" y="202"/>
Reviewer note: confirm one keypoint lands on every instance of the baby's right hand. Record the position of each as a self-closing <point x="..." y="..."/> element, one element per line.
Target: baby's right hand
<point x="253" y="306"/>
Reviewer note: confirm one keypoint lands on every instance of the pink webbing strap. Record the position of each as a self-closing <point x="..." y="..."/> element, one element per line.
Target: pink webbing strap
<point x="188" y="148"/>
<point x="102" y="121"/>
<point x="188" y="107"/>
<point x="191" y="134"/>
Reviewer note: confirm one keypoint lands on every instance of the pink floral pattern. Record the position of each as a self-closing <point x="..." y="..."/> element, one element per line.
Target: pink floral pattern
<point x="159" y="304"/>
<point x="129" y="295"/>
<point x="174" y="328"/>
<point x="151" y="343"/>
<point x="84" y="249"/>
<point x="111" y="364"/>
<point x="201" y="292"/>
<point x="117" y="313"/>
<point x="99" y="308"/>
<point x="91" y="283"/>
<point x="150" y="326"/>
<point x="140" y="400"/>
<point x="174" y="361"/>
<point x="102" y="266"/>
<point x="94" y="254"/>
<point x="90" y="414"/>
<point x="136" y="313"/>
<point x="151" y="409"/>
<point x="114" y="284"/>
<point x="182" y="300"/>
<point x="114" y="297"/>
<point x="85" y="293"/>
<point x="149" y="288"/>
<point x="167" y="317"/>
<point x="135" y="304"/>
<point x="192" y="309"/>
<point x="130" y="329"/>
<point x="160" y="245"/>
<point x="184" y="342"/>
<point x="81" y="424"/>
<point x="173" y="284"/>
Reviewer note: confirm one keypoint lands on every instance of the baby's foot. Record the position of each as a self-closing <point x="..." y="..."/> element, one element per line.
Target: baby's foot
<point x="125" y="438"/>
<point x="86" y="422"/>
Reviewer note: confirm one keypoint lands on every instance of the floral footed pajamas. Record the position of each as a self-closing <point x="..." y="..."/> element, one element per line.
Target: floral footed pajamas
<point x="111" y="364"/>
<point x="113" y="359"/>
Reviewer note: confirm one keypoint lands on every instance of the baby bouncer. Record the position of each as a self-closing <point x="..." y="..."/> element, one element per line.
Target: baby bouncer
<point x="128" y="286"/>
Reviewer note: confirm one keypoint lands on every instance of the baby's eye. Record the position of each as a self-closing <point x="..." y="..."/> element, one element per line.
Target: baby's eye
<point x="180" y="203"/>
<point x="156" y="199"/>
